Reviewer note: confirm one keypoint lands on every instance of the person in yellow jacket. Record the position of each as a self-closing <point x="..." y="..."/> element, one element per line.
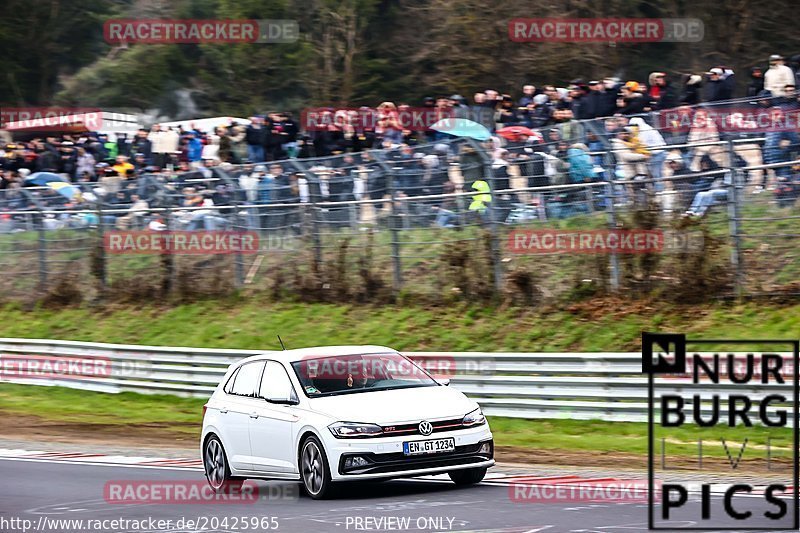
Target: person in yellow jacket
<point x="480" y="202"/>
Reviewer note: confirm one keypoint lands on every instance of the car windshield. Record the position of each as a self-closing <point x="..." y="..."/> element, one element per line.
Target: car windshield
<point x="354" y="373"/>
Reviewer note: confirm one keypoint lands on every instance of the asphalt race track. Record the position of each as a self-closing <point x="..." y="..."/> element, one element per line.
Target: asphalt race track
<point x="46" y="492"/>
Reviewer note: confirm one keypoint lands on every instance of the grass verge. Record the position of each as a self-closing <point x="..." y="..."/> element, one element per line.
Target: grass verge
<point x="598" y="325"/>
<point x="180" y="418"/>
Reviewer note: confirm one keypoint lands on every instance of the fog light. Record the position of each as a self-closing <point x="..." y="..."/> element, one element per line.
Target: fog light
<point x="486" y="448"/>
<point x="355" y="462"/>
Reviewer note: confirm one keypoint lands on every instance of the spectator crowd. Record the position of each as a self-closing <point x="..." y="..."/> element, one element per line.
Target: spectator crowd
<point x="572" y="124"/>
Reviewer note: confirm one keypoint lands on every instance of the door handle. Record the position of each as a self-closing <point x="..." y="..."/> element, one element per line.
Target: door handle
<point x="223" y="411"/>
<point x="253" y="415"/>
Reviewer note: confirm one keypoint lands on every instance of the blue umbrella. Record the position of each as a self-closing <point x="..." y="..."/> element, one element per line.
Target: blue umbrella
<point x="55" y="182"/>
<point x="461" y="127"/>
<point x="43" y="178"/>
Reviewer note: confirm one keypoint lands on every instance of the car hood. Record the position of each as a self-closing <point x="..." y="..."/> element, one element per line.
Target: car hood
<point x="396" y="406"/>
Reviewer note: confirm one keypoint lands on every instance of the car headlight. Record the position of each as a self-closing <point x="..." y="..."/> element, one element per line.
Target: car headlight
<point x="350" y="430"/>
<point x="475" y="418"/>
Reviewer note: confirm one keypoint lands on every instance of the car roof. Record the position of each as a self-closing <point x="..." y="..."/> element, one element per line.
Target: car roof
<point x="288" y="356"/>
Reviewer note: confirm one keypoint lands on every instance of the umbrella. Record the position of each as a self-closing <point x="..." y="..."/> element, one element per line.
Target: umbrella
<point x="461" y="127"/>
<point x="55" y="182"/>
<point x="43" y="178"/>
<point x="513" y="133"/>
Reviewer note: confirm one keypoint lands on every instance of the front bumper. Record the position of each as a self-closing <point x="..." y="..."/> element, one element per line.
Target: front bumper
<point x="385" y="459"/>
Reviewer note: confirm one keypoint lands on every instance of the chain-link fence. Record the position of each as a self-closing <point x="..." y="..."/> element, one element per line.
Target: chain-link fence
<point x="695" y="217"/>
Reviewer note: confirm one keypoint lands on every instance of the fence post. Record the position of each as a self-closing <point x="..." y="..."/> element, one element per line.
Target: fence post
<point x="238" y="262"/>
<point x="42" y="250"/>
<point x="612" y="216"/>
<point x="98" y="266"/>
<point x="733" y="220"/>
<point x="168" y="258"/>
<point x="311" y="179"/>
<point x="394" y="226"/>
<point x="394" y="221"/>
<point x="497" y="265"/>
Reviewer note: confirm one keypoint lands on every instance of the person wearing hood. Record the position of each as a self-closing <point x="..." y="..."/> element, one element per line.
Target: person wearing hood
<point x="581" y="167"/>
<point x="756" y="84"/>
<point x="655" y="144"/>
<point x="540" y="112"/>
<point x="630" y="156"/>
<point x="778" y="76"/>
<point x="194" y="149"/>
<point x="482" y="199"/>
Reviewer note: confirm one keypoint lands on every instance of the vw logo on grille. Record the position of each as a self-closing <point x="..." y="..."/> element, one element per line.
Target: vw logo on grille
<point x="425" y="427"/>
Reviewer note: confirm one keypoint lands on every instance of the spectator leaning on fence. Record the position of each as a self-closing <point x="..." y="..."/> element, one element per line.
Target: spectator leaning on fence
<point x="703" y="130"/>
<point x="779" y="144"/>
<point x="655" y="144"/>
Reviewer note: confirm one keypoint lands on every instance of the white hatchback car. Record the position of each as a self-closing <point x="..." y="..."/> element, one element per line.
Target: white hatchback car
<point x="340" y="413"/>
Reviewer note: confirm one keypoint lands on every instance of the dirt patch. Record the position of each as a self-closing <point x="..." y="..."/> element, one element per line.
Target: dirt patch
<point x="156" y="435"/>
<point x="632" y="461"/>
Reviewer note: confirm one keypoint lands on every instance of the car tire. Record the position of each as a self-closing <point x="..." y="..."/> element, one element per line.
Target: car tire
<point x="468" y="476"/>
<point x="315" y="474"/>
<point x="217" y="470"/>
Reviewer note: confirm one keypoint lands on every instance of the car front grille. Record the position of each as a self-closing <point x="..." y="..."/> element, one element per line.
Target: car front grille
<point x="413" y="429"/>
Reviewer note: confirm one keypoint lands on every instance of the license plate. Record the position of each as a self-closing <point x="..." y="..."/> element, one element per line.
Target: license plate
<point x="429" y="446"/>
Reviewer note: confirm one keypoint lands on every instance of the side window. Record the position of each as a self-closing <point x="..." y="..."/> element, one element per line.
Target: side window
<point x="276" y="385"/>
<point x="229" y="385"/>
<point x="247" y="379"/>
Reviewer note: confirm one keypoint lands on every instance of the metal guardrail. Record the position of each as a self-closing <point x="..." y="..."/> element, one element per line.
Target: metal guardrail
<point x="604" y="386"/>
